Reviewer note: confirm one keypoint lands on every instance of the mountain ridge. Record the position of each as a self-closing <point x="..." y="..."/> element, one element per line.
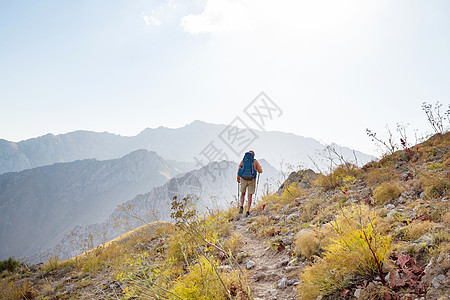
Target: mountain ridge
<point x="180" y="144"/>
<point x="42" y="204"/>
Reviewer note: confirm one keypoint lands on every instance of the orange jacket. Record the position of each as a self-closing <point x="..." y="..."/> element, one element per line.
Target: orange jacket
<point x="257" y="167"/>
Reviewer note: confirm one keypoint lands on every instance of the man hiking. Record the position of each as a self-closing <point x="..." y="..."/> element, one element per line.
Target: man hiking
<point x="247" y="173"/>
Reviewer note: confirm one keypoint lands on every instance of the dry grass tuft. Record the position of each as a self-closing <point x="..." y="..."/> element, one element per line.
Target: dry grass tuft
<point x="380" y="174"/>
<point x="341" y="175"/>
<point x="386" y="192"/>
<point x="435" y="186"/>
<point x="418" y="228"/>
<point x="232" y="244"/>
<point x="306" y="243"/>
<point x="12" y="290"/>
<point x="446" y="217"/>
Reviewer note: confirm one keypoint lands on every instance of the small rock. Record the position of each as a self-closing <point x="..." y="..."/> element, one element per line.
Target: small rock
<point x="283" y="263"/>
<point x="389" y="206"/>
<point x="391" y="213"/>
<point x="259" y="276"/>
<point x="250" y="264"/>
<point x="292" y="217"/>
<point x="299" y="200"/>
<point x="407" y="176"/>
<point x="289" y="233"/>
<point x="282" y="283"/>
<point x="436" y="282"/>
<point x="427" y="239"/>
<point x="433" y="293"/>
<point x="273" y="294"/>
<point x="395" y="274"/>
<point x="36" y="267"/>
<point x="292" y="282"/>
<point x="293" y="262"/>
<point x="358" y="293"/>
<point x="238" y="217"/>
<point x="293" y="210"/>
<point x="287" y="241"/>
<point x="428" y="267"/>
<point x="290" y="268"/>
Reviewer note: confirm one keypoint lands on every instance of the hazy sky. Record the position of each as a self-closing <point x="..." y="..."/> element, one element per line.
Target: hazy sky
<point x="334" y="67"/>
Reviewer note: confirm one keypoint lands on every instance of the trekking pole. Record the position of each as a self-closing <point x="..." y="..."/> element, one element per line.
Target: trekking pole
<point x="237" y="199"/>
<point x="257" y="183"/>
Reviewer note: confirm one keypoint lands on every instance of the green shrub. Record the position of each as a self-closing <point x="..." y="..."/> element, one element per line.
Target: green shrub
<point x="9" y="264"/>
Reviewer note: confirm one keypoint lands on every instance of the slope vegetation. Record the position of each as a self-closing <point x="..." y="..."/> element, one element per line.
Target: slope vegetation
<point x="377" y="232"/>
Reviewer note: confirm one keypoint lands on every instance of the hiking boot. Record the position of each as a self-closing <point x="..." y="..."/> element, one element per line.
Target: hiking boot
<point x="241" y="209"/>
<point x="247" y="214"/>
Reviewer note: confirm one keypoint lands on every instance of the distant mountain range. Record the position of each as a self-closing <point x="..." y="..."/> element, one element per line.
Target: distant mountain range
<point x="39" y="206"/>
<point x="214" y="185"/>
<point x="192" y="143"/>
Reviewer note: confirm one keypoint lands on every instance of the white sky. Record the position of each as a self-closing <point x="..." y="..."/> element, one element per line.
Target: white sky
<point x="335" y="68"/>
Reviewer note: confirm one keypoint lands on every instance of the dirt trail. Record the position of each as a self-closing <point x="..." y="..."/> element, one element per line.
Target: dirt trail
<point x="270" y="267"/>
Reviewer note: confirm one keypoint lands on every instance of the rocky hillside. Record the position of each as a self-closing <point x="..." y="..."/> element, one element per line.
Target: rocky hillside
<point x="213" y="186"/>
<point x="39" y="206"/>
<point x="377" y="232"/>
<point x="171" y="144"/>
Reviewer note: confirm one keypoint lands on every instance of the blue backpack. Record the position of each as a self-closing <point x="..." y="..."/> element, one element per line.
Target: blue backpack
<point x="247" y="171"/>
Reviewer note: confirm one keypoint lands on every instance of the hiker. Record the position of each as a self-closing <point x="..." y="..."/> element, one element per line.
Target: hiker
<point x="247" y="172"/>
